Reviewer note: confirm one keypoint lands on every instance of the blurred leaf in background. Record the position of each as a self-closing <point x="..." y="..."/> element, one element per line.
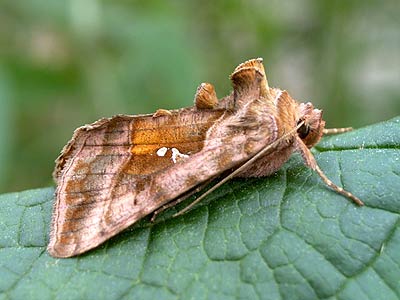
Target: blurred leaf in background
<point x="69" y="62"/>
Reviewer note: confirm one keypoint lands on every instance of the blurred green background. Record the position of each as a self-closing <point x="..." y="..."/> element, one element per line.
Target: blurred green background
<point x="66" y="63"/>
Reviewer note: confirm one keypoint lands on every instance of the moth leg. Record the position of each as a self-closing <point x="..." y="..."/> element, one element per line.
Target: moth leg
<point x="180" y="199"/>
<point x="336" y="130"/>
<point x="336" y="188"/>
<point x="310" y="161"/>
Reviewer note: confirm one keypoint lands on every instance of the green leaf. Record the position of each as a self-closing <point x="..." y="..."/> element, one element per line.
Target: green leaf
<point x="283" y="237"/>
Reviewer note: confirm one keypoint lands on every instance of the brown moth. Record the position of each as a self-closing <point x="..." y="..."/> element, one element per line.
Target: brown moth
<point x="118" y="170"/>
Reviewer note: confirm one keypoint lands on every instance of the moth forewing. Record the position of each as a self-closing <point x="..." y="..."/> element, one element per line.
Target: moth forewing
<point x="104" y="174"/>
<point x="112" y="174"/>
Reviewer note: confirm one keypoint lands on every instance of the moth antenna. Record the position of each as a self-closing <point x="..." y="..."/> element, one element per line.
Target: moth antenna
<point x="328" y="131"/>
<point x="262" y="152"/>
<point x="205" y="97"/>
<point x="180" y="199"/>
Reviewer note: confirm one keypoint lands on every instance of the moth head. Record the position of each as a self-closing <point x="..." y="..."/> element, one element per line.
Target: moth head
<point x="312" y="129"/>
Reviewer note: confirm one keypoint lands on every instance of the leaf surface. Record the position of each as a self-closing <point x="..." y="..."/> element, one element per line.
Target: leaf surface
<point x="283" y="237"/>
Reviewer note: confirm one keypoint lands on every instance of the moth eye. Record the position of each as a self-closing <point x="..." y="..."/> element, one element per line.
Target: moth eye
<point x="303" y="131"/>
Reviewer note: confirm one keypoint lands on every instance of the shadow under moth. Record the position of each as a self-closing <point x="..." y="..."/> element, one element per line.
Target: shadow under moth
<point x="118" y="170"/>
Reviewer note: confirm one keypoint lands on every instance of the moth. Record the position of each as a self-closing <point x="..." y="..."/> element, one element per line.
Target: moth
<point x="118" y="170"/>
